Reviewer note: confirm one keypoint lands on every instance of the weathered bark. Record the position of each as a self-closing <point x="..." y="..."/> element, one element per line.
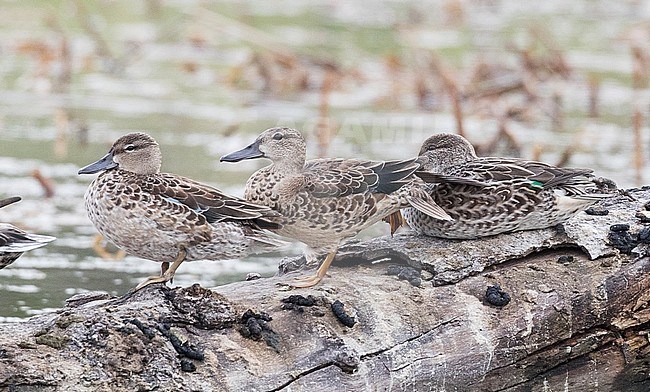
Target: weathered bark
<point x="580" y="325"/>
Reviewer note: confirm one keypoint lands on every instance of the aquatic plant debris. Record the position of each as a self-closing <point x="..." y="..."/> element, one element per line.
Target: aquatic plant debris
<point x="146" y="330"/>
<point x="405" y="272"/>
<point x="297" y="302"/>
<point x="597" y="210"/>
<point x="341" y="315"/>
<point x="620" y="238"/>
<point x="183" y="348"/>
<point x="255" y="326"/>
<point x="565" y="259"/>
<point x="497" y="297"/>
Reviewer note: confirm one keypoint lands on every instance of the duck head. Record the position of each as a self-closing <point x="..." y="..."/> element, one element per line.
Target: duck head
<point x="443" y="150"/>
<point x="134" y="152"/>
<point x="280" y="145"/>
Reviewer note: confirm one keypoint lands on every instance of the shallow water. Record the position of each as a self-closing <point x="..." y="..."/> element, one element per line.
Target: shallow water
<point x="169" y="75"/>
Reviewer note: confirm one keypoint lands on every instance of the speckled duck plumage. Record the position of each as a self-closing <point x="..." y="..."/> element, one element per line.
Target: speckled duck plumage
<point x="516" y="194"/>
<point x="159" y="216"/>
<point x="324" y="201"/>
<point x="14" y="241"/>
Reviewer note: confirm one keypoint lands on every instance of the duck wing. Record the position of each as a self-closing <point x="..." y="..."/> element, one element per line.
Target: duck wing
<point x="343" y="177"/>
<point x="507" y="169"/>
<point x="210" y="202"/>
<point x="437" y="178"/>
<point x="12" y="239"/>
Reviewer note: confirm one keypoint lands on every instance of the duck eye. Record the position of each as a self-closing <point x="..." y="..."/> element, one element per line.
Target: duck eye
<point x="278" y="136"/>
<point x="129" y="148"/>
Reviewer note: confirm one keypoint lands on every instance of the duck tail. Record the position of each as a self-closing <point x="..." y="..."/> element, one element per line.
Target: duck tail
<point x="267" y="223"/>
<point x="392" y="175"/>
<point x="22" y="242"/>
<point x="586" y="190"/>
<point x="430" y="208"/>
<point x="594" y="197"/>
<point x="265" y="242"/>
<point x="578" y="202"/>
<point x="420" y="199"/>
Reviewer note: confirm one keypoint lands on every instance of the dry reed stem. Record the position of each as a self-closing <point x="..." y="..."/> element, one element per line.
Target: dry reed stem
<point x="45" y="183"/>
<point x="639" y="161"/>
<point x="503" y="133"/>
<point x="262" y="39"/>
<point x="62" y="123"/>
<point x="452" y="90"/>
<point x="640" y="71"/>
<point x="536" y="154"/>
<point x="594" y="95"/>
<point x="576" y="145"/>
<point x="324" y="129"/>
<point x="103" y="49"/>
<point x="557" y="112"/>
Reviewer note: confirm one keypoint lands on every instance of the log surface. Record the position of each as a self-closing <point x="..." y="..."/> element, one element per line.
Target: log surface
<point x="421" y="321"/>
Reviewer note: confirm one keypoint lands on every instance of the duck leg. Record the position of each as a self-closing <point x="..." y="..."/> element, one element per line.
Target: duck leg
<point x="167" y="274"/>
<point x="103" y="251"/>
<point x="164" y="266"/>
<point x="395" y="220"/>
<point x="312" y="280"/>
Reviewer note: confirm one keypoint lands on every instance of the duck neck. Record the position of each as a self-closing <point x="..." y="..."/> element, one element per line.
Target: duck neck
<point x="290" y="165"/>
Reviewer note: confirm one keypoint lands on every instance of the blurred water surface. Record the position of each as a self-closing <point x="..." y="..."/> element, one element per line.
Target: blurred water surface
<point x="76" y="75"/>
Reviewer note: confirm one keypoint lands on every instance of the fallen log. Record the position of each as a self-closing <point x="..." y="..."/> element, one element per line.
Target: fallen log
<point x="396" y="314"/>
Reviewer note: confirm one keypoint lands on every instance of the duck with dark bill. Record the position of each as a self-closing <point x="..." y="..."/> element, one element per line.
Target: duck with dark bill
<point x="168" y="218"/>
<point x="324" y="201"/>
<point x="514" y="195"/>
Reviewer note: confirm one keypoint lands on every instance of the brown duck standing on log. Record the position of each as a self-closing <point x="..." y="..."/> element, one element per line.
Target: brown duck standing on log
<point x="324" y="201"/>
<point x="168" y="218"/>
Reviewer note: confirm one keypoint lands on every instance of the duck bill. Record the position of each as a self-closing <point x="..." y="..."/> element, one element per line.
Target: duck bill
<point x="252" y="151"/>
<point x="9" y="200"/>
<point x="103" y="164"/>
<point x="423" y="161"/>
